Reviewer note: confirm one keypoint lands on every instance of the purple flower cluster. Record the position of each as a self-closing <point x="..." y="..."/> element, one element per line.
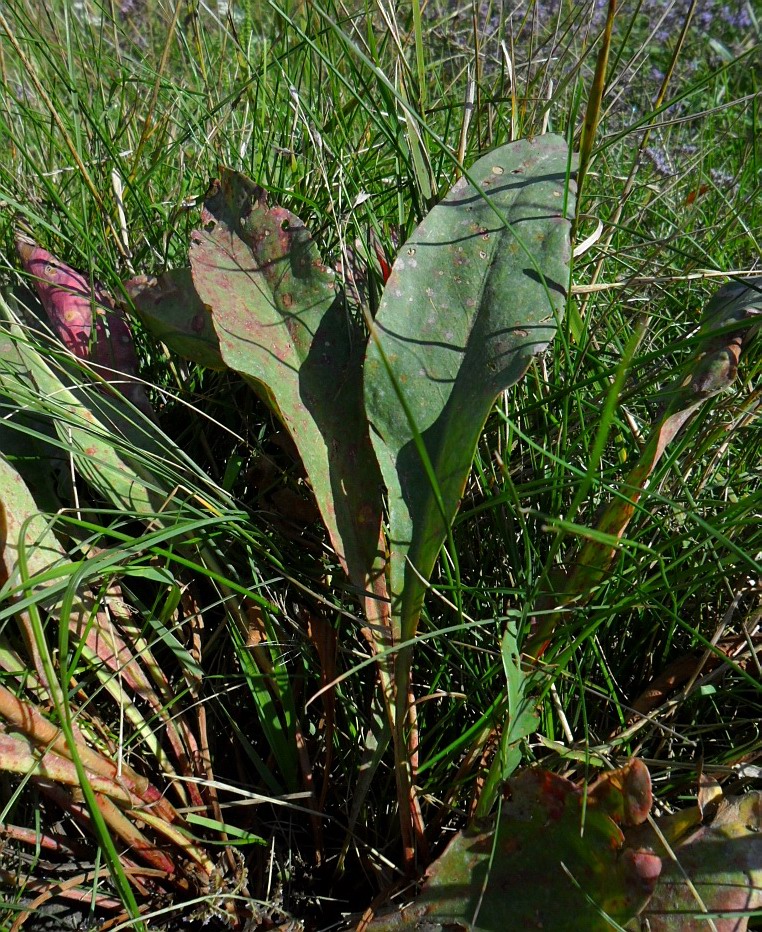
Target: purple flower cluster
<point x="711" y="17"/>
<point x="129" y="8"/>
<point x="672" y="163"/>
<point x="726" y="19"/>
<point x="722" y="179"/>
<point x="546" y="36"/>
<point x="660" y="161"/>
<point x="735" y="16"/>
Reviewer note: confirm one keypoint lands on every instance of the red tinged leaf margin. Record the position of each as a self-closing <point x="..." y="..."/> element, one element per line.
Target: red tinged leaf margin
<point x="281" y="324"/>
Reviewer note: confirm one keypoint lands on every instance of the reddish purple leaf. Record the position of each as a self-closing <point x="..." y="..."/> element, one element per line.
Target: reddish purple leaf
<point x="72" y="305"/>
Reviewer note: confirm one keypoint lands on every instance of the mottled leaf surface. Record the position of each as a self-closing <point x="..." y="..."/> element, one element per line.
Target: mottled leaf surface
<point x="22" y="526"/>
<point x="170" y="309"/>
<point x="559" y="862"/>
<point x="280" y="324"/>
<point x="719" y="855"/>
<point x="473" y="295"/>
<point x="27" y="440"/>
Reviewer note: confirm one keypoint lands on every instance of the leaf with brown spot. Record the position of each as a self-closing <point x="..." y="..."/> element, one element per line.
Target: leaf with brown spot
<point x="473" y="296"/>
<point x="718" y="867"/>
<point x="282" y="326"/>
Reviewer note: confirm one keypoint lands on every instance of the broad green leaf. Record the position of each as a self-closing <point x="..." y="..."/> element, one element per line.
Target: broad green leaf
<point x="718" y="866"/>
<point x="281" y="325"/>
<point x="551" y="838"/>
<point x="171" y="310"/>
<point x="20" y="518"/>
<point x="473" y="295"/>
<point x="29" y="444"/>
<point x="28" y="440"/>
